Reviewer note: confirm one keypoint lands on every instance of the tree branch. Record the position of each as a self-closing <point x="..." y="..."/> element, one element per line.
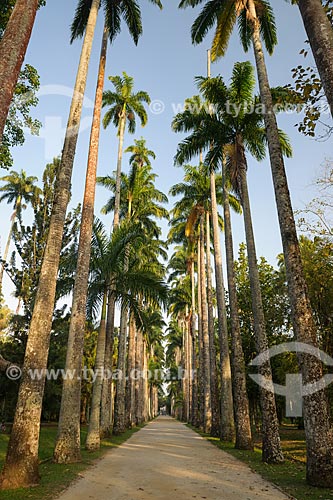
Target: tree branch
<point x="4" y="364"/>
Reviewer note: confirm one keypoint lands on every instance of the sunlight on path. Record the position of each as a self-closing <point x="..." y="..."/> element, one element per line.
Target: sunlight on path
<point x="167" y="461"/>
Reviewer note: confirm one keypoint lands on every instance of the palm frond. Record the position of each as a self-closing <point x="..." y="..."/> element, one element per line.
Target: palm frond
<point x="80" y="20"/>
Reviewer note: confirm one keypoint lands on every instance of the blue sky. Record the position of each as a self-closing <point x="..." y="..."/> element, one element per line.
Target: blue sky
<point x="164" y="64"/>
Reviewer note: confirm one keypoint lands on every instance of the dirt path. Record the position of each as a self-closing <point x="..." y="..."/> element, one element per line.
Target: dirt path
<point x="167" y="461"/>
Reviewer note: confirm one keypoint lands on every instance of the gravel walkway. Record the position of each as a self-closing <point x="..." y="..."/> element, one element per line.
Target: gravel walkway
<point x="168" y="461"/>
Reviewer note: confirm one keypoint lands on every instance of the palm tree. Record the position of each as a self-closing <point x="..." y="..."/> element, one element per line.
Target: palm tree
<point x="123" y="106"/>
<point x="19" y="189"/>
<point x="320" y="33"/>
<point x="214" y="131"/>
<point x="177" y="353"/>
<point x="140" y="153"/>
<point x="108" y="261"/>
<point x="153" y="328"/>
<point x="256" y="20"/>
<point x="22" y="452"/>
<point x="181" y="306"/>
<point x="242" y="413"/>
<point x="206" y="131"/>
<point x="69" y="415"/>
<point x="247" y="133"/>
<point x="70" y="401"/>
<point x="195" y="202"/>
<point x="188" y="121"/>
<point x="13" y="47"/>
<point x="140" y="200"/>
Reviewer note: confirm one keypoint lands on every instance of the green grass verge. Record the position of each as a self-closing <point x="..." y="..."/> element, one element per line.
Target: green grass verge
<point x="55" y="477"/>
<point x="290" y="476"/>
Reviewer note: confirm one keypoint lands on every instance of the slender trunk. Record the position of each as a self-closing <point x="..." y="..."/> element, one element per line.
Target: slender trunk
<point x="194" y="374"/>
<point x="107" y="403"/>
<point x="138" y="372"/>
<point x="13" y="47"/>
<point x="93" y="441"/>
<point x="119" y="406"/>
<point x="119" y="418"/>
<point x="271" y="446"/>
<point x="186" y="367"/>
<point x="215" y="430"/>
<point x="183" y="368"/>
<point x="319" y="435"/>
<point x="67" y="447"/>
<point x="5" y="255"/>
<point x="21" y="466"/>
<point x="200" y="377"/>
<point x="241" y="402"/>
<point x="320" y="34"/>
<point x="130" y="383"/>
<point x="107" y="385"/>
<point x="205" y="334"/>
<point x="227" y="431"/>
<point x="145" y="381"/>
<point x="118" y="174"/>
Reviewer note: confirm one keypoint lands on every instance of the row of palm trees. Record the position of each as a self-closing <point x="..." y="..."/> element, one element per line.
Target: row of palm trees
<point x="256" y="22"/>
<point x="227" y="138"/>
<point x="128" y="263"/>
<point x="22" y="454"/>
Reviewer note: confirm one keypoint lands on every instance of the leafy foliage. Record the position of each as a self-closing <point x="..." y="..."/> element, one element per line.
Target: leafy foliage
<point x="30" y="242"/>
<point x="224" y="15"/>
<point x="309" y="89"/>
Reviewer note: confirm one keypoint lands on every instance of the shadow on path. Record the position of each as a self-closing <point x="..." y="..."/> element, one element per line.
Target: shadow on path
<point x="168" y="461"/>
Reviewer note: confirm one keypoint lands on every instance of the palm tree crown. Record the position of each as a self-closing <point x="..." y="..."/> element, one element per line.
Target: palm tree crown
<point x="115" y="11"/>
<point x="19" y="188"/>
<point x="225" y="14"/>
<point x="123" y="103"/>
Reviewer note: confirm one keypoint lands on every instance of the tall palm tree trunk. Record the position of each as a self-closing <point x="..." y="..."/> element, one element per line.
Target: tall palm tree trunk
<point x="67" y="447"/>
<point x="320" y="34"/>
<point x="112" y="305"/>
<point x="241" y="402"/>
<point x="227" y="430"/>
<point x="107" y="402"/>
<point x="145" y="382"/>
<point x="13" y="47"/>
<point x="118" y="173"/>
<point x="5" y="254"/>
<point x="183" y="367"/>
<point x="271" y="446"/>
<point x="21" y="466"/>
<point x="188" y="365"/>
<point x="205" y="333"/>
<point x="200" y="376"/>
<point x="93" y="441"/>
<point x="319" y="436"/>
<point x="138" y="370"/>
<point x="194" y="374"/>
<point x="130" y="383"/>
<point x="119" y="406"/>
<point x="215" y="429"/>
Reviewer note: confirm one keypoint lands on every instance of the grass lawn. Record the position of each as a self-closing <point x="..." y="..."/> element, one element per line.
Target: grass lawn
<point x="54" y="477"/>
<point x="290" y="476"/>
